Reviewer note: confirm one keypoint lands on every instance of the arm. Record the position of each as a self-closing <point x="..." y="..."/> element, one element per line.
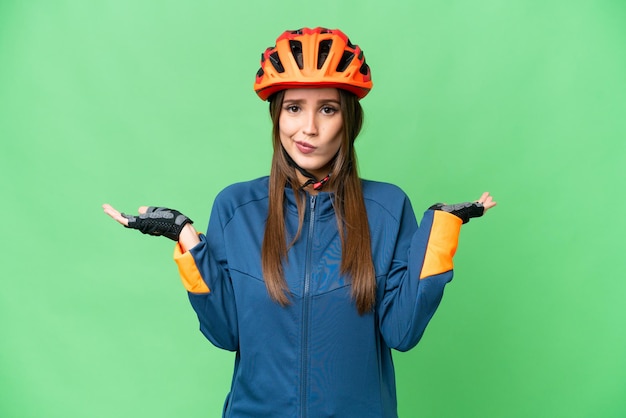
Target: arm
<point x="205" y="274"/>
<point x="202" y="267"/>
<point x="421" y="268"/>
<point x="188" y="238"/>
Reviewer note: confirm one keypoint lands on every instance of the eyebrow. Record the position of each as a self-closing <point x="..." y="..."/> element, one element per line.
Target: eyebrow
<point x="299" y="101"/>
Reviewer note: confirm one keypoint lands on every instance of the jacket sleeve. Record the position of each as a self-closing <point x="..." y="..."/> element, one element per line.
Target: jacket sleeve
<point x="205" y="274"/>
<point x="421" y="267"/>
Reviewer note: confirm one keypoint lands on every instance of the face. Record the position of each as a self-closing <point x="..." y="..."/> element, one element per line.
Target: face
<point x="310" y="128"/>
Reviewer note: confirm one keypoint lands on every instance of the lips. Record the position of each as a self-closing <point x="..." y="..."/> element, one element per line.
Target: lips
<point x="305" y="147"/>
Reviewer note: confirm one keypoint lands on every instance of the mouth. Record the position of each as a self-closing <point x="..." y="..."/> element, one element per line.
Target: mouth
<point x="304" y="147"/>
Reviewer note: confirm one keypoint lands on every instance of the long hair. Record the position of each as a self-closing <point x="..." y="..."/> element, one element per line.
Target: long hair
<point x="356" y="255"/>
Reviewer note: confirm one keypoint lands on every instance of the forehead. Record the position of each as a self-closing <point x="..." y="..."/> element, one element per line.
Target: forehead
<point x="312" y="94"/>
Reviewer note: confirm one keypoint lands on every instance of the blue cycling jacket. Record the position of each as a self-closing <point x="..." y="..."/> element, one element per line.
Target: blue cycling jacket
<point x="316" y="357"/>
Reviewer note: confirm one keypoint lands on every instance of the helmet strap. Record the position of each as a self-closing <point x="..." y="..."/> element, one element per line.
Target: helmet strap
<point x="317" y="185"/>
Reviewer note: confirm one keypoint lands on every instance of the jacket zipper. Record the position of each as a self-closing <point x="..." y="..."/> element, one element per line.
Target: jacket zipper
<point x="306" y="300"/>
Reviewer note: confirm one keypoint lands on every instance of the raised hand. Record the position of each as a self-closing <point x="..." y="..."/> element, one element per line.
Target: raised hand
<point x="152" y="220"/>
<point x="468" y="210"/>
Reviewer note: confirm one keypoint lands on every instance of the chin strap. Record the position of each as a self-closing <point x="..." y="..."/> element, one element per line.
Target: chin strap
<point x="317" y="185"/>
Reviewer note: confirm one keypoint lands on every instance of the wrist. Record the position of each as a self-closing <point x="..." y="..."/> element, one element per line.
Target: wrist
<point x="188" y="237"/>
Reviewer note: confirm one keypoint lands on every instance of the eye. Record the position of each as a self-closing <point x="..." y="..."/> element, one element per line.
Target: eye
<point x="292" y="108"/>
<point x="328" y="110"/>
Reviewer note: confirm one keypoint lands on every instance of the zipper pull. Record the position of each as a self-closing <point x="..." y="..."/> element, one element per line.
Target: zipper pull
<point x="313" y="202"/>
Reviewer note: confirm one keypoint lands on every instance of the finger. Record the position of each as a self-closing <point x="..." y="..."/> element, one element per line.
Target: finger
<point x="115" y="214"/>
<point x="143" y="209"/>
<point x="110" y="210"/>
<point x="483" y="197"/>
<point x="489" y="203"/>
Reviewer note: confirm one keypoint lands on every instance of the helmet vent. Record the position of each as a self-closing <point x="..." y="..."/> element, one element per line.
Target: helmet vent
<point x="322" y="52"/>
<point x="365" y="69"/>
<point x="275" y="60"/>
<point x="346" y="59"/>
<point x="296" y="51"/>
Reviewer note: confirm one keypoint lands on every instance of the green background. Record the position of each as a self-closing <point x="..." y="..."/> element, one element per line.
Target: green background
<point x="150" y="102"/>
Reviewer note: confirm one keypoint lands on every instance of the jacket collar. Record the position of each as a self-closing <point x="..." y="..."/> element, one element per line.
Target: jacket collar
<point x="324" y="202"/>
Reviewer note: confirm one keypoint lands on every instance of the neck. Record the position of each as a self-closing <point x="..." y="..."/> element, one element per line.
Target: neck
<point x="311" y="182"/>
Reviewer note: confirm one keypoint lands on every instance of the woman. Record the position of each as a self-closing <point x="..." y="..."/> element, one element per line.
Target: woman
<point x="312" y="275"/>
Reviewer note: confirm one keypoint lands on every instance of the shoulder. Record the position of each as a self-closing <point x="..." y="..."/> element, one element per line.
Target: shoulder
<point x="385" y="197"/>
<point x="377" y="188"/>
<point x="241" y="194"/>
<point x="245" y="191"/>
<point x="382" y="193"/>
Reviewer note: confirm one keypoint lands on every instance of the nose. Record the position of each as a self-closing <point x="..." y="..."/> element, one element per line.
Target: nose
<point x="309" y="126"/>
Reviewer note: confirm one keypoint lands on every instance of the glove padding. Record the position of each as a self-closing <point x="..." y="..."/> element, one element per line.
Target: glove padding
<point x="465" y="211"/>
<point x="159" y="221"/>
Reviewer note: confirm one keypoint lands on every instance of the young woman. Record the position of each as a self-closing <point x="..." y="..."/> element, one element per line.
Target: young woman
<point x="312" y="275"/>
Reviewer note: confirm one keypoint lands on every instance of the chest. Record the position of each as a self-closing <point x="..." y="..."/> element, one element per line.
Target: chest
<point x="313" y="263"/>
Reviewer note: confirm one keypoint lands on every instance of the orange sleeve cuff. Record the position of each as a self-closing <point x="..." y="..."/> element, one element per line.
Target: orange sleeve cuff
<point x="189" y="273"/>
<point x="442" y="244"/>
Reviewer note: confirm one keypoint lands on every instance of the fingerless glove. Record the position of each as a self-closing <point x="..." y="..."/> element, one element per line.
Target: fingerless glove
<point x="159" y="221"/>
<point x="465" y="211"/>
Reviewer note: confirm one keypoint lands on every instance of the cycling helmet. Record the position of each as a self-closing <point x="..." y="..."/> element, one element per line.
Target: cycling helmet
<point x="316" y="57"/>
